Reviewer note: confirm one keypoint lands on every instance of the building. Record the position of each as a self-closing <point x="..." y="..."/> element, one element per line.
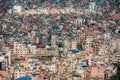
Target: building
<point x="53" y="41"/>
<point x="45" y="40"/>
<point x="33" y="39"/>
<point x="9" y="54"/>
<point x="32" y="48"/>
<point x="17" y="8"/>
<point x="82" y="72"/>
<point x="66" y="45"/>
<point x="110" y="71"/>
<point x="117" y="58"/>
<point x="89" y="43"/>
<point x="19" y="73"/>
<point x="77" y="39"/>
<point x="92" y="6"/>
<point x="97" y="72"/>
<point x="115" y="45"/>
<point x="4" y="75"/>
<point x="20" y="49"/>
<point x="3" y="63"/>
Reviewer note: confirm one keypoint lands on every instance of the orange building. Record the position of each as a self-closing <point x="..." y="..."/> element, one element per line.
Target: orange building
<point x="97" y="72"/>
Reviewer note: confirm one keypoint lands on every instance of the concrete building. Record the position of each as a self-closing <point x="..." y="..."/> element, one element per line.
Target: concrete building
<point x="4" y="75"/>
<point x="73" y="44"/>
<point x="45" y="39"/>
<point x="110" y="71"/>
<point x="3" y="63"/>
<point x="97" y="72"/>
<point x="89" y="43"/>
<point x="53" y="41"/>
<point x="9" y="54"/>
<point x="32" y="48"/>
<point x="33" y="39"/>
<point x="92" y="6"/>
<point x="117" y="58"/>
<point x="19" y="73"/>
<point x="66" y="45"/>
<point x="20" y="49"/>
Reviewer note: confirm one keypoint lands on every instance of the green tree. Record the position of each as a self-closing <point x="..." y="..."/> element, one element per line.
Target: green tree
<point x="114" y="77"/>
<point x="117" y="76"/>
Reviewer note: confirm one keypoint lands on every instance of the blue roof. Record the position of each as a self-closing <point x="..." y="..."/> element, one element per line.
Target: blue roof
<point x="83" y="60"/>
<point x="76" y="75"/>
<point x="24" y="78"/>
<point x="34" y="74"/>
<point x="61" y="39"/>
<point x="82" y="65"/>
<point x="33" y="57"/>
<point x="48" y="49"/>
<point x="74" y="50"/>
<point x="34" y="68"/>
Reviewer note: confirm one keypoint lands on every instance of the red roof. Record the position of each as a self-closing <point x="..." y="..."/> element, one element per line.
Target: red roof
<point x="116" y="17"/>
<point x="22" y="57"/>
<point x="40" y="45"/>
<point x="37" y="71"/>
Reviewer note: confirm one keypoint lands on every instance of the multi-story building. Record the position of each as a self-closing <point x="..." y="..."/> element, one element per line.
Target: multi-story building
<point x="53" y="40"/>
<point x="115" y="44"/>
<point x="3" y="63"/>
<point x="19" y="73"/>
<point x="33" y="39"/>
<point x="9" y="54"/>
<point x="116" y="58"/>
<point x="66" y="44"/>
<point x="77" y="38"/>
<point x="110" y="71"/>
<point x="73" y="44"/>
<point x="92" y="6"/>
<point x="97" y="72"/>
<point x="20" y="49"/>
<point x="45" y="39"/>
<point x="89" y="42"/>
<point x="32" y="48"/>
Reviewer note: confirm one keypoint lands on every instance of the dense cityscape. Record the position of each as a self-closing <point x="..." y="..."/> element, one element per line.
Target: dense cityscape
<point x="59" y="39"/>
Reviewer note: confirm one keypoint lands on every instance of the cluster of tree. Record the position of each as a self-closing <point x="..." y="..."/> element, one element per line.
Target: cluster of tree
<point x="117" y="76"/>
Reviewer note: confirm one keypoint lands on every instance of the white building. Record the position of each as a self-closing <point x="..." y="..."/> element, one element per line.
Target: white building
<point x="19" y="73"/>
<point x="53" y="40"/>
<point x="73" y="45"/>
<point x="115" y="44"/>
<point x="117" y="58"/>
<point x="9" y="54"/>
<point x="88" y="45"/>
<point x="32" y="48"/>
<point x="92" y="6"/>
<point x="17" y="8"/>
<point x="4" y="62"/>
<point x="66" y="45"/>
<point x="20" y="49"/>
